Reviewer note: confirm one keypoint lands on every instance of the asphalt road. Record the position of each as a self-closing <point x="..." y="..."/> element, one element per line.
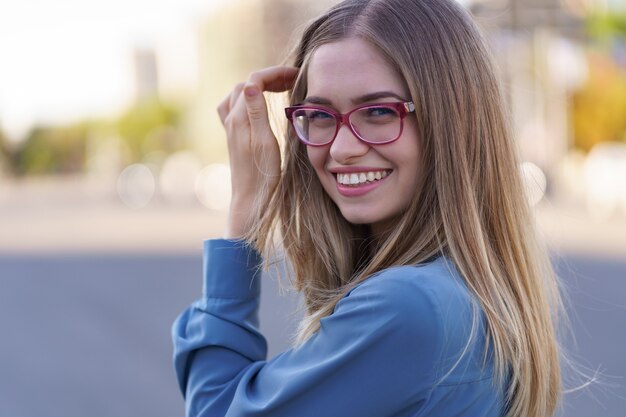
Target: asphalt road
<point x="89" y="335"/>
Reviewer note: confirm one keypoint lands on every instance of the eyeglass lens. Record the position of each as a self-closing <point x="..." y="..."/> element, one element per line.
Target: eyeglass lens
<point x="374" y="124"/>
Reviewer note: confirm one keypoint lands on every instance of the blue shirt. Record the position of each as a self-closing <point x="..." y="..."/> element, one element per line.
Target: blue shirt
<point x="396" y="345"/>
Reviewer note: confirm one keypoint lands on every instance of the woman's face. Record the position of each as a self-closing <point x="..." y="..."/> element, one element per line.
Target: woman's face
<point x="341" y="76"/>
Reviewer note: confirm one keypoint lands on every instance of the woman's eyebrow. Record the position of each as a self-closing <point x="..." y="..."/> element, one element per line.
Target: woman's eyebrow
<point x="316" y="100"/>
<point x="358" y="100"/>
<point x="376" y="96"/>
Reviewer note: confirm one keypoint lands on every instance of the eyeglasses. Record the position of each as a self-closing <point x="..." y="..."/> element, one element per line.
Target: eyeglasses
<point x="375" y="124"/>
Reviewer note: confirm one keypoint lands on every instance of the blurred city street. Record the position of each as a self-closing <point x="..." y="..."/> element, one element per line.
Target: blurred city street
<point x="112" y="173"/>
<point x="90" y="289"/>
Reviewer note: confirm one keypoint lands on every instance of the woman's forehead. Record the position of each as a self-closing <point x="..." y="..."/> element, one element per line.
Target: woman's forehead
<point x="350" y="66"/>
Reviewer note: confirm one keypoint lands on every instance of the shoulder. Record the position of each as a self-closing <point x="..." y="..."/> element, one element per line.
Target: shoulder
<point x="433" y="312"/>
<point x="434" y="290"/>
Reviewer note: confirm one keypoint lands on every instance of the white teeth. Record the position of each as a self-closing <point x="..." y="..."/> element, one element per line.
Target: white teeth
<point x="361" y="177"/>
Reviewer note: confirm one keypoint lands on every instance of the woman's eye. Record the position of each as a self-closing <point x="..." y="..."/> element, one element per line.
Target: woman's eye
<point x="319" y="115"/>
<point x="381" y="112"/>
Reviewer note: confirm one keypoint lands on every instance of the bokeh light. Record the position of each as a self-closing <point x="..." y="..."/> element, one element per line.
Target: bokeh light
<point x="213" y="187"/>
<point x="534" y="182"/>
<point x="178" y="177"/>
<point x="605" y="179"/>
<point x="136" y="186"/>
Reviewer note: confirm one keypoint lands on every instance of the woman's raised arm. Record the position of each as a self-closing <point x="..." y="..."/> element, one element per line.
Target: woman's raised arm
<point x="252" y="147"/>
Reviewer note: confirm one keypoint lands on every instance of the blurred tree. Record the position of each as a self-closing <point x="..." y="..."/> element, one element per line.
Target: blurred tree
<point x="146" y="127"/>
<point x="52" y="150"/>
<point x="606" y="25"/>
<point x="608" y="30"/>
<point x="150" y="125"/>
<point x="599" y="107"/>
<point x="5" y="153"/>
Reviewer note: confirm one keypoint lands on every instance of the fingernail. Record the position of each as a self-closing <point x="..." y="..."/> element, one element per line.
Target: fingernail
<point x="251" y="91"/>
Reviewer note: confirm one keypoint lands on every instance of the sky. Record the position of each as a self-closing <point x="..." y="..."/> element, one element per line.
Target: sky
<point x="62" y="60"/>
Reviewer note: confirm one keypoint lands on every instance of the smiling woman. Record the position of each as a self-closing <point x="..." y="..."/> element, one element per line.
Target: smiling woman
<point x="399" y="205"/>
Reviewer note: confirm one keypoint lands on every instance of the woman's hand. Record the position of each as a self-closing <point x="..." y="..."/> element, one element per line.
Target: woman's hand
<point x="252" y="147"/>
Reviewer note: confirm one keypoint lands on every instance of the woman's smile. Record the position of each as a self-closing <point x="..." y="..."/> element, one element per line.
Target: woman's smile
<point x="357" y="181"/>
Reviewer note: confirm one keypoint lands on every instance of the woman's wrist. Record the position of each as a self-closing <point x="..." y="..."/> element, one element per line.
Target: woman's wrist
<point x="238" y="222"/>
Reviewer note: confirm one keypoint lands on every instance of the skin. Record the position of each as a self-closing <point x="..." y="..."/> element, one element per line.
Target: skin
<point x="340" y="75"/>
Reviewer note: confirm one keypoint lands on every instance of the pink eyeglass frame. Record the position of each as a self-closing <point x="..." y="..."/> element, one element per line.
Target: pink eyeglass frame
<point x="403" y="108"/>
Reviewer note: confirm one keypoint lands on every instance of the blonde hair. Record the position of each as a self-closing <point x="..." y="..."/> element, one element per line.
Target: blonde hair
<point x="470" y="205"/>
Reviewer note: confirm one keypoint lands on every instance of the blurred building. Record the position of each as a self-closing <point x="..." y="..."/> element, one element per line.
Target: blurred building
<point x="146" y="74"/>
<point x="239" y="38"/>
<point x="563" y="16"/>
<point x="3" y="166"/>
<point x="539" y="47"/>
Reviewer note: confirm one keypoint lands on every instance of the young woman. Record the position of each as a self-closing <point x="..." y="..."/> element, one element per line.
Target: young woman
<point x="401" y="210"/>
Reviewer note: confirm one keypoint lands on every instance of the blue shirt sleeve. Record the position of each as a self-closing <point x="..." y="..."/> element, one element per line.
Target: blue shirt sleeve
<point x="379" y="353"/>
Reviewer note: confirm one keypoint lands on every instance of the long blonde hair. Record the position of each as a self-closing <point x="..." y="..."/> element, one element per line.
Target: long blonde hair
<point x="470" y="205"/>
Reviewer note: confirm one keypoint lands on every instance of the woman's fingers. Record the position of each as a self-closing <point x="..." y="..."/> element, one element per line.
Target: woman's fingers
<point x="236" y="95"/>
<point x="257" y="109"/>
<point x="223" y="109"/>
<point x="274" y="79"/>
<point x="226" y="105"/>
<point x="244" y="111"/>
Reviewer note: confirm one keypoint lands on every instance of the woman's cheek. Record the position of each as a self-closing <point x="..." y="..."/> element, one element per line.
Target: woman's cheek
<point x="317" y="158"/>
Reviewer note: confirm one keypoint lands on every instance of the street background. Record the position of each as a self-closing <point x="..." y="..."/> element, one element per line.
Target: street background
<point x="91" y="288"/>
<point x="113" y="170"/>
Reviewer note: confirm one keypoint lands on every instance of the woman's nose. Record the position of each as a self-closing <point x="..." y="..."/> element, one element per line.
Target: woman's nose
<point x="347" y="146"/>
